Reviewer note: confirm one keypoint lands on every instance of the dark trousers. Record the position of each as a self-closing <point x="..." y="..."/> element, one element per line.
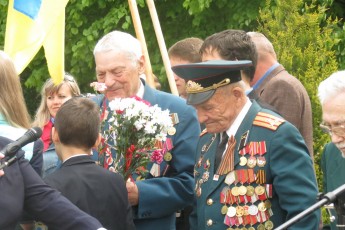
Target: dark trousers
<point x="182" y="218"/>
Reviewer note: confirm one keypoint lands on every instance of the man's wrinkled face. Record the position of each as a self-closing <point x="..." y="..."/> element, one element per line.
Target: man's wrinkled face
<point x="333" y="115"/>
<point x="119" y="73"/>
<point x="219" y="112"/>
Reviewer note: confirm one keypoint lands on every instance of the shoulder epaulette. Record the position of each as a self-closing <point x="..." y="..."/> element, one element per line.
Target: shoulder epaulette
<point x="268" y="121"/>
<point x="203" y="132"/>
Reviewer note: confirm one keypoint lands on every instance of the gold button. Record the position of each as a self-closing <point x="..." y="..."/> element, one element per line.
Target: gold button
<point x="209" y="222"/>
<point x="209" y="202"/>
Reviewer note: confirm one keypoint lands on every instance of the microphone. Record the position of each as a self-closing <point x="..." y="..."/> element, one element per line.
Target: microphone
<point x="29" y="136"/>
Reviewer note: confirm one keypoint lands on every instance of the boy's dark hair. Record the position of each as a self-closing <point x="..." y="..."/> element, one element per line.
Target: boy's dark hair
<point x="233" y="45"/>
<point x="78" y="122"/>
<point x="187" y="49"/>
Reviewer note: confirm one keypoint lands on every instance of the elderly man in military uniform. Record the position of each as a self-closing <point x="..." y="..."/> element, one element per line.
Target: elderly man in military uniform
<point x="252" y="170"/>
<point x="331" y="93"/>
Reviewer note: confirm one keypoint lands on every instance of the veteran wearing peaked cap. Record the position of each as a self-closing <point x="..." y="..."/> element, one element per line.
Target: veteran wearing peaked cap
<point x="252" y="170"/>
<point x="205" y="77"/>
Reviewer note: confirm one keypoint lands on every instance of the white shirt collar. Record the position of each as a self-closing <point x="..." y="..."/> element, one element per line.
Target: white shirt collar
<point x="141" y="90"/>
<point x="234" y="127"/>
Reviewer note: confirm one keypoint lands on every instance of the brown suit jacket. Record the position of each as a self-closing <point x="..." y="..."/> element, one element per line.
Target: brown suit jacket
<point x="289" y="97"/>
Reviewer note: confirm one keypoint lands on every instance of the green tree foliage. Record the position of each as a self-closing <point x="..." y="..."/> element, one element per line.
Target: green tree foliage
<point x="305" y="45"/>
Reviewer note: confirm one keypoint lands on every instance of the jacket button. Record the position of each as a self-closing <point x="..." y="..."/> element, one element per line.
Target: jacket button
<point x="209" y="201"/>
<point x="209" y="222"/>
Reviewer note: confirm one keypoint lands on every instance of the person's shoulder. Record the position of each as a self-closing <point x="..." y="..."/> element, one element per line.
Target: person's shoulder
<point x="4" y="141"/>
<point x="172" y="102"/>
<point x="330" y="148"/>
<point x="98" y="99"/>
<point x="113" y="177"/>
<point x="170" y="96"/>
<point x="287" y="81"/>
<point x="268" y="119"/>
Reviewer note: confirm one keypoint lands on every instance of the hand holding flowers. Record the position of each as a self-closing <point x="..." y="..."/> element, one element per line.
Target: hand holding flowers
<point x="130" y="131"/>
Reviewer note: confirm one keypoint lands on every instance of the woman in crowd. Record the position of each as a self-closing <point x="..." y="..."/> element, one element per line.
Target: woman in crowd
<point x="14" y="116"/>
<point x="52" y="97"/>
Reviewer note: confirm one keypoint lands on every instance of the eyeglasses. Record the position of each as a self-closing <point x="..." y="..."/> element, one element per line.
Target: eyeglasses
<point x="337" y="130"/>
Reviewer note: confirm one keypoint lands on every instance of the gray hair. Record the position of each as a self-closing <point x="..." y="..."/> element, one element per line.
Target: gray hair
<point x="331" y="86"/>
<point x="121" y="42"/>
<point x="262" y="44"/>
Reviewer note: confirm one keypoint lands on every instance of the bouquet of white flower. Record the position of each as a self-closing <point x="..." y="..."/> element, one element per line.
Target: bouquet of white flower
<point x="133" y="128"/>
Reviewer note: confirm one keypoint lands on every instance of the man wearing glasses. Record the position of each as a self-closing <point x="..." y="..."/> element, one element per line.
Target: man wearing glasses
<point x="332" y="98"/>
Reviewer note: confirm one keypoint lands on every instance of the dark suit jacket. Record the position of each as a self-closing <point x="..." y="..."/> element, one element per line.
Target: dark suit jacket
<point x="96" y="191"/>
<point x="288" y="168"/>
<point x="289" y="97"/>
<point x="22" y="188"/>
<point x="333" y="168"/>
<point x="160" y="197"/>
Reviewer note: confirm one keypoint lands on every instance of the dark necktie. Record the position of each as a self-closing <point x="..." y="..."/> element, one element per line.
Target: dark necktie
<point x="220" y="150"/>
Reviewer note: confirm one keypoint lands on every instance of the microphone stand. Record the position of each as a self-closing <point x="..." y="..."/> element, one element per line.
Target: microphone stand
<point x="8" y="162"/>
<point x="327" y="198"/>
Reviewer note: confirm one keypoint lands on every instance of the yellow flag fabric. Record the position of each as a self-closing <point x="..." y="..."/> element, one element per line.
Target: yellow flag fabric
<point x="31" y="24"/>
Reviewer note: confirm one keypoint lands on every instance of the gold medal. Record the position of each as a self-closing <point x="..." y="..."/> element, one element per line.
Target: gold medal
<point x="243" y="161"/>
<point x="251" y="162"/>
<point x="268" y="204"/>
<point x="262" y="207"/>
<point x="260" y="227"/>
<point x="261" y="161"/>
<point x="245" y="210"/>
<point x="234" y="191"/>
<point x="167" y="156"/>
<point x="172" y="131"/>
<point x="239" y="211"/>
<point x="243" y="228"/>
<point x="251" y="228"/>
<point x="259" y="190"/>
<point x="269" y="225"/>
<point x="250" y="190"/>
<point x="224" y="209"/>
<point x="242" y="190"/>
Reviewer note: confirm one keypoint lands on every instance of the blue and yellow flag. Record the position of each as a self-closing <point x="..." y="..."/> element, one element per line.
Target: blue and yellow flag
<point x="31" y="24"/>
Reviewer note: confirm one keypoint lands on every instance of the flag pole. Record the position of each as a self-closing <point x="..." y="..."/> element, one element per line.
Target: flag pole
<point x="140" y="35"/>
<point x="162" y="46"/>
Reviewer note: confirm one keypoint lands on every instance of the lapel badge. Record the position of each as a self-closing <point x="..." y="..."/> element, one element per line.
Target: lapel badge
<point x="243" y="141"/>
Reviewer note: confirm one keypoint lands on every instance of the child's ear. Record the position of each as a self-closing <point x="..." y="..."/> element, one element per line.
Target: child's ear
<point x="98" y="141"/>
<point x="55" y="136"/>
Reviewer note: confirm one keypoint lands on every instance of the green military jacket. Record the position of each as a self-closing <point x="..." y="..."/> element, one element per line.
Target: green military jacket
<point x="273" y="177"/>
<point x="333" y="168"/>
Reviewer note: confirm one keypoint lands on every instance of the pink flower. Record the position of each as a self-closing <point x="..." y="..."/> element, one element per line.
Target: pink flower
<point x="97" y="86"/>
<point x="157" y="156"/>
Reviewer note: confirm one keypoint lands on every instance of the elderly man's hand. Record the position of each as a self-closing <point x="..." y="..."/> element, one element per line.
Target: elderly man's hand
<point x="1" y="171"/>
<point x="133" y="193"/>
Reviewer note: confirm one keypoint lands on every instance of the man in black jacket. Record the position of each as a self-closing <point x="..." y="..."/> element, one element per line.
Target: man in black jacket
<point x="95" y="190"/>
<point x="21" y="188"/>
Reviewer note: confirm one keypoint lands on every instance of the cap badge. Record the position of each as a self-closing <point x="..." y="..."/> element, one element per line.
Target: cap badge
<point x="193" y="87"/>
